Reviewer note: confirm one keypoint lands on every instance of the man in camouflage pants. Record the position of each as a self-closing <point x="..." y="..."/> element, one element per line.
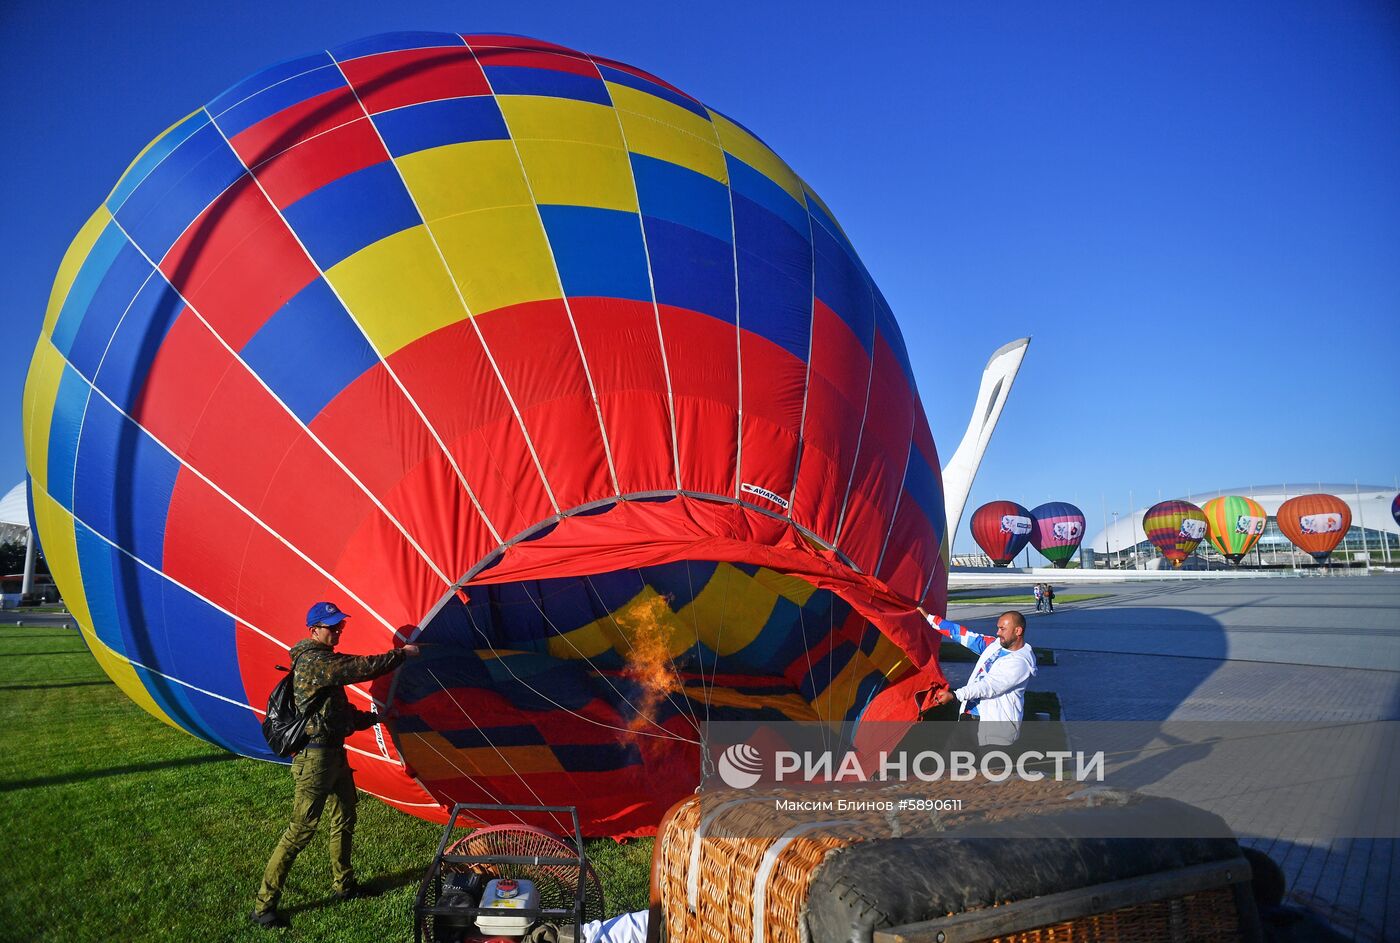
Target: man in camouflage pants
<point x="322" y="777"/>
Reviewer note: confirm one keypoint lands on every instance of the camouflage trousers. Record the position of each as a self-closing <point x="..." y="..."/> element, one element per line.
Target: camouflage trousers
<point x="324" y="781"/>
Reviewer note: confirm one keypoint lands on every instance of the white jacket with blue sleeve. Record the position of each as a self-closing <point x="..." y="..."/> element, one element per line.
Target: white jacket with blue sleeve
<point x="997" y="686"/>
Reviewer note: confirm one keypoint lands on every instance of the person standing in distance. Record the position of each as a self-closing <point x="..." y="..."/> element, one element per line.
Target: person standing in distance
<point x="994" y="697"/>
<point x="321" y="774"/>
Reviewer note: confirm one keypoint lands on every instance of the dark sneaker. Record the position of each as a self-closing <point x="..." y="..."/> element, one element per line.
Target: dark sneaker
<point x="269" y="919"/>
<point x="354" y="892"/>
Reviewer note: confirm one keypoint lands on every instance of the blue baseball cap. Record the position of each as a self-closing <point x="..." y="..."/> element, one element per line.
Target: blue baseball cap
<point x="325" y="613"/>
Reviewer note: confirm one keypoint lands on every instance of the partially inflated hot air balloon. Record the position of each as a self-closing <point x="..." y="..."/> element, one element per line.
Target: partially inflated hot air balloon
<point x="1235" y="524"/>
<point x="1175" y="528"/>
<point x="1315" y="523"/>
<point x="1001" y="529"/>
<point x="1057" y="531"/>
<point x="519" y="353"/>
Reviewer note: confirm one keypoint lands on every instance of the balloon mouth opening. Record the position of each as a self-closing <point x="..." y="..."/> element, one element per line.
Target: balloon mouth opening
<point x="598" y="689"/>
<point x="581" y="663"/>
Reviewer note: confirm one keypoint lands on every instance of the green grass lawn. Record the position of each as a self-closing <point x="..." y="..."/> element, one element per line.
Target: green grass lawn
<point x="1021" y="599"/>
<point x="119" y="827"/>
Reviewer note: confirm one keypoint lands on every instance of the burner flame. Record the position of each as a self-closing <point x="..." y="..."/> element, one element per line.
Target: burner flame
<point x="649" y="662"/>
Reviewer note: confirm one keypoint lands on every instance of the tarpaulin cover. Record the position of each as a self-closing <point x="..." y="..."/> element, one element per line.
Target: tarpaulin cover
<point x="371" y="318"/>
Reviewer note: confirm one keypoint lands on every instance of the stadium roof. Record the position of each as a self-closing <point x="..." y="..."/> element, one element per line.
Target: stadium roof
<point x="1306" y="487"/>
<point x="14" y="507"/>
<point x="14" y="514"/>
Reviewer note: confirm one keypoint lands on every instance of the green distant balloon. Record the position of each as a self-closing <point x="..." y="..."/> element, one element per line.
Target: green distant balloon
<point x="1236" y="524"/>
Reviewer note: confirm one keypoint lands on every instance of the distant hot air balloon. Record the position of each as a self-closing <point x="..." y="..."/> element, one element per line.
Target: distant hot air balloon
<point x="1175" y="528"/>
<point x="1395" y="508"/>
<point x="1236" y="524"/>
<point x="1315" y="523"/>
<point x="1002" y="528"/>
<point x="1057" y="530"/>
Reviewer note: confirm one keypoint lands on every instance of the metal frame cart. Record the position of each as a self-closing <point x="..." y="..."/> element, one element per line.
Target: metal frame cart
<point x="427" y="903"/>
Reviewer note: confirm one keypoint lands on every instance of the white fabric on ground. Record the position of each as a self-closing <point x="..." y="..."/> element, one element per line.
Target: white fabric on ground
<point x="624" y="928"/>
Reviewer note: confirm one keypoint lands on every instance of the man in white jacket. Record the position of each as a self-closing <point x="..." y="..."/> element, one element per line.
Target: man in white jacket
<point x="995" y="695"/>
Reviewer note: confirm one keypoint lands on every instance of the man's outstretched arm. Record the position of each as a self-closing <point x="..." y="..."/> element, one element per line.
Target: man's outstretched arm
<point x="349" y="669"/>
<point x="960" y="634"/>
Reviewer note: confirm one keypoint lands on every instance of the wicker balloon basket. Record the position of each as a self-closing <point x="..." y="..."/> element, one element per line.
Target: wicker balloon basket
<point x="744" y="865"/>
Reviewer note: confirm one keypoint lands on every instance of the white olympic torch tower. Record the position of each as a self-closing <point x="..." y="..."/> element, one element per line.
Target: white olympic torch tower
<point x="961" y="469"/>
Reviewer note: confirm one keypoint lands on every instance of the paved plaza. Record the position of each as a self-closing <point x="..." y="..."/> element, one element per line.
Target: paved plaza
<point x="1307" y="670"/>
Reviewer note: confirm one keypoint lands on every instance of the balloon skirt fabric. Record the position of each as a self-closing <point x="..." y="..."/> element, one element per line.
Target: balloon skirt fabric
<point x="391" y="321"/>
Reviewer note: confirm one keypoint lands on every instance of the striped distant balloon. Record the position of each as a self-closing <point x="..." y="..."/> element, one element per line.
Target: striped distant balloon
<point x="1315" y="523"/>
<point x="1002" y="528"/>
<point x="1175" y="528"/>
<point x="1057" y="531"/>
<point x="1235" y="524"/>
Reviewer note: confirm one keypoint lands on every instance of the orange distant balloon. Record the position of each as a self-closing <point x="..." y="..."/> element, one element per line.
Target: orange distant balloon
<point x="1315" y="523"/>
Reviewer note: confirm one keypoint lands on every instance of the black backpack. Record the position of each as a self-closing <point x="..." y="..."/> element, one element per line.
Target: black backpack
<point x="284" y="728"/>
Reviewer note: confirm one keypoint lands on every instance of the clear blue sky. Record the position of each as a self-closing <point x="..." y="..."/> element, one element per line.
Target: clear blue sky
<point x="1193" y="207"/>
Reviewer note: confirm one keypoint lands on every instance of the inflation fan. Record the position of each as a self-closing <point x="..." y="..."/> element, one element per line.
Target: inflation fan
<point x="516" y="881"/>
